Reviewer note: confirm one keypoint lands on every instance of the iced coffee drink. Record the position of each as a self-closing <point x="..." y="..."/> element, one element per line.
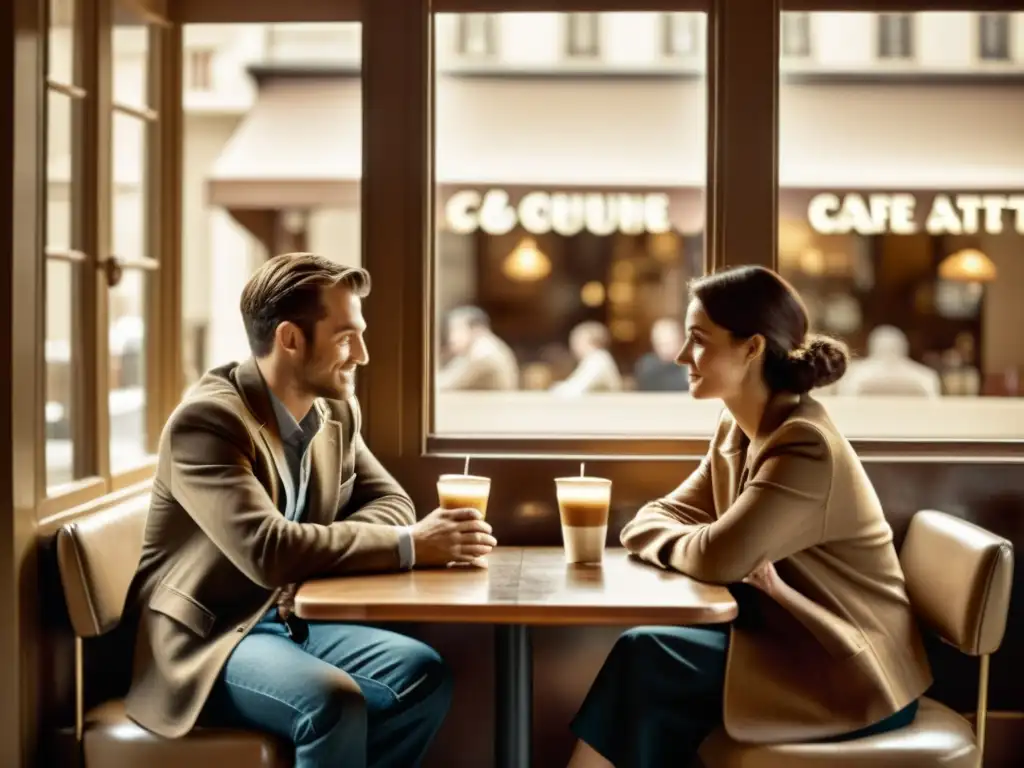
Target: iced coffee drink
<point x="464" y="492"/>
<point x="583" y="506"/>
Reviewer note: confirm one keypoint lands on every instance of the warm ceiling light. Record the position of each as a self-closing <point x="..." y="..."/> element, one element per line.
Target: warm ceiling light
<point x="968" y="266"/>
<point x="527" y="262"/>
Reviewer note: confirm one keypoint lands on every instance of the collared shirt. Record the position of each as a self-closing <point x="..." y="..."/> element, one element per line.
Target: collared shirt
<point x="296" y="437"/>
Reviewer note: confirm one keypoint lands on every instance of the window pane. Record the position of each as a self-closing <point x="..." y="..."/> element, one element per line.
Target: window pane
<point x="130" y="46"/>
<point x="62" y="50"/>
<point x="902" y="225"/>
<point x="128" y="371"/>
<point x="270" y="165"/>
<point x="570" y="218"/>
<point x="62" y="357"/>
<point x="59" y="171"/>
<point x="129" y="187"/>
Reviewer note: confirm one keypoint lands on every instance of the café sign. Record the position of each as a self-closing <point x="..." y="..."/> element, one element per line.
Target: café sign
<point x="565" y="213"/>
<point x="901" y="214"/>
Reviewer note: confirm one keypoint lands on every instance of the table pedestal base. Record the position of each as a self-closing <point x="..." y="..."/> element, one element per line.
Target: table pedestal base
<point x="513" y="696"/>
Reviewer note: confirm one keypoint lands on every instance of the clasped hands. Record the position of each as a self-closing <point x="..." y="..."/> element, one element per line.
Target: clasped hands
<point x="451" y="536"/>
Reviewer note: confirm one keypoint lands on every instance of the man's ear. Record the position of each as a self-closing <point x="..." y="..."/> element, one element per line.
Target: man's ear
<point x="289" y="336"/>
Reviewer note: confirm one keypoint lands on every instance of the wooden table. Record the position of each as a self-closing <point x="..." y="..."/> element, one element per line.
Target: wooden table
<point x="521" y="587"/>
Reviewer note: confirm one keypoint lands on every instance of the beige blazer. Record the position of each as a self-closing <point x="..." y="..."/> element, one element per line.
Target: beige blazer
<point x="838" y="648"/>
<point x="217" y="552"/>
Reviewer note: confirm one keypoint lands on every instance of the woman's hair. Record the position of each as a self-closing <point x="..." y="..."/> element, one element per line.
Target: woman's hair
<point x="747" y="301"/>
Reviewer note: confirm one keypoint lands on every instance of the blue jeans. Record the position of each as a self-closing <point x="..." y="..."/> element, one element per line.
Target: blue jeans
<point x="347" y="696"/>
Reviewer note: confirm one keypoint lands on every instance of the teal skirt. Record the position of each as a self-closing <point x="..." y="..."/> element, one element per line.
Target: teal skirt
<point x="659" y="695"/>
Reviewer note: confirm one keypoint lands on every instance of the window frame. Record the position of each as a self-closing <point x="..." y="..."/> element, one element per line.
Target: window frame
<point x="1004" y="22"/>
<point x="742" y="177"/>
<point x="92" y="204"/>
<point x="907" y="37"/>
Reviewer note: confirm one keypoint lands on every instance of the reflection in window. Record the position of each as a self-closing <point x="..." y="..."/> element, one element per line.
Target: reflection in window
<point x="681" y="34"/>
<point x="994" y="36"/>
<point x="583" y="35"/>
<point x="476" y="35"/>
<point x="252" y="188"/>
<point x="895" y="36"/>
<point x="570" y="218"/>
<point x="796" y="35"/>
<point x="919" y="269"/>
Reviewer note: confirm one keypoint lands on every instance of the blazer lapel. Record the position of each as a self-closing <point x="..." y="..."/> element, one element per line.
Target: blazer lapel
<point x="253" y="390"/>
<point x="325" y="476"/>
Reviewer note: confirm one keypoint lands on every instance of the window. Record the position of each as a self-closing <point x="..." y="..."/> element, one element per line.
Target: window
<point x="681" y="34"/>
<point x="199" y="76"/>
<point x="895" y="36"/>
<point x="476" y="35"/>
<point x="902" y="224"/>
<point x="131" y="258"/>
<point x="103" y="247"/>
<point x="572" y="216"/>
<point x="994" y="36"/>
<point x="63" y="254"/>
<point x="796" y="35"/>
<point x="251" y="190"/>
<point x="583" y="35"/>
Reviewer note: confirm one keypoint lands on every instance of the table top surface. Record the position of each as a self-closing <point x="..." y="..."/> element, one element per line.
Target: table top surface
<point x="522" y="585"/>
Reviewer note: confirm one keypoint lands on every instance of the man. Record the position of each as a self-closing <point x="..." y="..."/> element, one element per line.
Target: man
<point x="658" y="371"/>
<point x="263" y="481"/>
<point x="482" y="361"/>
<point x="596" y="370"/>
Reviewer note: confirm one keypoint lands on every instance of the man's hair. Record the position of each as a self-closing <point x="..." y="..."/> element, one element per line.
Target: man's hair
<point x="474" y="317"/>
<point x="287" y="289"/>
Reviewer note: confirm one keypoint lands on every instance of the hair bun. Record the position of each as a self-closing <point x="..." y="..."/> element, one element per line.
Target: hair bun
<point x="818" y="362"/>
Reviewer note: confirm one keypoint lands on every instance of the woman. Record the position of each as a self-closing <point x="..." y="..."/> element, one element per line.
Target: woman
<point x="826" y="646"/>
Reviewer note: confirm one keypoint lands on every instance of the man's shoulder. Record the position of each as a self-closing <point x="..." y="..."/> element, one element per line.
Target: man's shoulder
<point x="214" y="399"/>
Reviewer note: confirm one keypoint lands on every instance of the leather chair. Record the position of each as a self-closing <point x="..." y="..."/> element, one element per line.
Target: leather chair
<point x="97" y="556"/>
<point x="959" y="578"/>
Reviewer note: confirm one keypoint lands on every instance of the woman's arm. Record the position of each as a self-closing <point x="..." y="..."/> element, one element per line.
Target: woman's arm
<point x="780" y="512"/>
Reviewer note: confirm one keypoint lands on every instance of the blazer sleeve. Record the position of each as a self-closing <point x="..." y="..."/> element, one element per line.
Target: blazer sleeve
<point x="651" y="534"/>
<point x="781" y="511"/>
<point x="211" y="477"/>
<point x="377" y="496"/>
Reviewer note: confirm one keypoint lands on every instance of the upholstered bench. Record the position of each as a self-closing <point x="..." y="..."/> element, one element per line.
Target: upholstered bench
<point x="958" y="578"/>
<point x="97" y="556"/>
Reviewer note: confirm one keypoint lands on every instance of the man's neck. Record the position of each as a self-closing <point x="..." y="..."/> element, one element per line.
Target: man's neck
<point x="285" y="389"/>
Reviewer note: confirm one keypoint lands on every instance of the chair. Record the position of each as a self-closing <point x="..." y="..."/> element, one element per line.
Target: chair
<point x="97" y="556"/>
<point x="959" y="579"/>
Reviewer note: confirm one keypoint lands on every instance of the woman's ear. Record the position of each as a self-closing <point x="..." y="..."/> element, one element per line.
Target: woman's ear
<point x="755" y="347"/>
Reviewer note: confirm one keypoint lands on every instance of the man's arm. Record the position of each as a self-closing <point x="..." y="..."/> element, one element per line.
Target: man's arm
<point x="780" y="512"/>
<point x="377" y="497"/>
<point x="211" y="477"/>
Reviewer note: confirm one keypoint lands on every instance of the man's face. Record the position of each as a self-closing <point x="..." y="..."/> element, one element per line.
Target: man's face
<point x="337" y="348"/>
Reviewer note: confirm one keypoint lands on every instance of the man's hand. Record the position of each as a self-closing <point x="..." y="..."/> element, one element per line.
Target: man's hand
<point x="451" y="536"/>
<point x="764" y="578"/>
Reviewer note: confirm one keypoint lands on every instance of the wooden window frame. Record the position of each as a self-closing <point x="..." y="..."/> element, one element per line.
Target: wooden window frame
<point x="92" y="253"/>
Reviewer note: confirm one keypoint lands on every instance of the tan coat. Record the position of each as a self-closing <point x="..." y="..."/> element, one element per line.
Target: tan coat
<point x="217" y="551"/>
<point x="838" y="647"/>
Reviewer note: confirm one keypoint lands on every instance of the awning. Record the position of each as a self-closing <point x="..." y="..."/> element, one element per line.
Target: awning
<point x="299" y="147"/>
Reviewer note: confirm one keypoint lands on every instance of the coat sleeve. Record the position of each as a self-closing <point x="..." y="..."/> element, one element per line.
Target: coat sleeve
<point x="781" y="511"/>
<point x="212" y="478"/>
<point x="377" y="496"/>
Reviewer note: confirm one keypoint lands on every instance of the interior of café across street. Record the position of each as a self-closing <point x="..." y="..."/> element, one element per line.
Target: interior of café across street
<point x="536" y="189"/>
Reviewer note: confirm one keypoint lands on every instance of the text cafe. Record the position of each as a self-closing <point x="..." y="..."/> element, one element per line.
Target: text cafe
<point x="498" y="211"/>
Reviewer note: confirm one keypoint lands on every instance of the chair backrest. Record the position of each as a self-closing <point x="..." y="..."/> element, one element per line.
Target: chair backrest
<point x="97" y="556"/>
<point x="959" y="578"/>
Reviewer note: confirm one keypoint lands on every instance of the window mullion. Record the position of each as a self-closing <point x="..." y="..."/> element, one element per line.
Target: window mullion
<point x="397" y="196"/>
<point x="743" y="126"/>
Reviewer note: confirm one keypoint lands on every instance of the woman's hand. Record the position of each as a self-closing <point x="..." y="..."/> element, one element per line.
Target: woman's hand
<point x="765" y="578"/>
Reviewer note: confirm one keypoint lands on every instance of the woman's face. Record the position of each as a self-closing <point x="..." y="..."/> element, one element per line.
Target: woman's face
<point x="719" y="364"/>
